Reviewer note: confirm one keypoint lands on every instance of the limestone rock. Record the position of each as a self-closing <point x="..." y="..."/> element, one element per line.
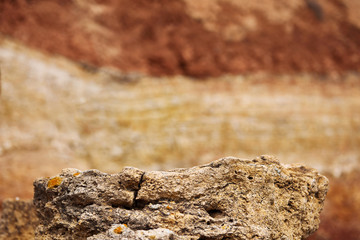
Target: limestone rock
<point x="227" y="199"/>
<point x="18" y="220"/>
<point x="122" y="231"/>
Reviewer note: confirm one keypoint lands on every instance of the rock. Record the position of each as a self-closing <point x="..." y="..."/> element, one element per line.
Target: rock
<point x="122" y="231"/>
<point x="18" y="219"/>
<point x="227" y="199"/>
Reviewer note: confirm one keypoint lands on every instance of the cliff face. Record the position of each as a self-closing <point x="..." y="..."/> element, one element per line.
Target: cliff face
<point x="227" y="199"/>
<point x="202" y="38"/>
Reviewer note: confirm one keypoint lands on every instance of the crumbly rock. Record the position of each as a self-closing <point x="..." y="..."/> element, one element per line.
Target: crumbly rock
<point x="229" y="198"/>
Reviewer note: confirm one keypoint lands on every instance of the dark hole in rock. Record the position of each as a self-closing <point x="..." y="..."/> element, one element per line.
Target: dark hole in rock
<point x="206" y="238"/>
<point x="140" y="204"/>
<point x="317" y="195"/>
<point x="215" y="213"/>
<point x="116" y="205"/>
<point x="210" y="238"/>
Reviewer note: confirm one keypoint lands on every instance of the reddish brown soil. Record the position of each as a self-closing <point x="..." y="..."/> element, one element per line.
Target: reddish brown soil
<point x="340" y="217"/>
<point x="163" y="38"/>
<point x="20" y="169"/>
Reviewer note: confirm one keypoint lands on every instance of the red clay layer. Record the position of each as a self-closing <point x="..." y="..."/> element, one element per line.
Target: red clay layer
<point x="162" y="38"/>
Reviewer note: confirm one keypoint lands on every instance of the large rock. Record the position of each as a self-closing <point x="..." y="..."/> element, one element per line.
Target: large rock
<point x="226" y="199"/>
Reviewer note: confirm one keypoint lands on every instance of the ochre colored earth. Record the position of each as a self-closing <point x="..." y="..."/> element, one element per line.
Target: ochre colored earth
<point x="194" y="38"/>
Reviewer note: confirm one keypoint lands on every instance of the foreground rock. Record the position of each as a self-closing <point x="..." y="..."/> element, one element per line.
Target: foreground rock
<point x="226" y="199"/>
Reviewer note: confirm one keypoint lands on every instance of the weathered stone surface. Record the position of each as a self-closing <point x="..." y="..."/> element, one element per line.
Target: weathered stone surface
<point x="18" y="220"/>
<point x="226" y="199"/>
<point x="122" y="231"/>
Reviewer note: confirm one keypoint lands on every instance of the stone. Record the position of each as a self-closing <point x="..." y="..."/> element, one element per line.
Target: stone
<point x="122" y="231"/>
<point x="18" y="220"/>
<point x="229" y="198"/>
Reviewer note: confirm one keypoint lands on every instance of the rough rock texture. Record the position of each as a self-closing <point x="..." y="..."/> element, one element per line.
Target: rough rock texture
<point x="122" y="231"/>
<point x="18" y="220"/>
<point x="226" y="199"/>
<point x="197" y="38"/>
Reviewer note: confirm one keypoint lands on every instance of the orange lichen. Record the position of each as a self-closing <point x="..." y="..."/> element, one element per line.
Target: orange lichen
<point x="168" y="207"/>
<point x="76" y="174"/>
<point x="120" y="229"/>
<point x="54" y="182"/>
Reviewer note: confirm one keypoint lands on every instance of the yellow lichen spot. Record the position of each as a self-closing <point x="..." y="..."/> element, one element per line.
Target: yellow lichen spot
<point x="152" y="237"/>
<point x="224" y="227"/>
<point x="168" y="207"/>
<point x="76" y="174"/>
<point x="54" y="182"/>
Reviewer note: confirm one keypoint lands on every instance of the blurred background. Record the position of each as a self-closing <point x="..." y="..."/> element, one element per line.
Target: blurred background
<point x="165" y="84"/>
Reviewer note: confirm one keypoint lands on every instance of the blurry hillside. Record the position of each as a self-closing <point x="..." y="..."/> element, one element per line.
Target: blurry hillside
<point x="195" y="38"/>
<point x="54" y="115"/>
<point x="107" y="84"/>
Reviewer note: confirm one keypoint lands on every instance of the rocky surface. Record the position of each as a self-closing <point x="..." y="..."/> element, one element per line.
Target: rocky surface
<point x="196" y="38"/>
<point x="227" y="199"/>
<point x="18" y="220"/>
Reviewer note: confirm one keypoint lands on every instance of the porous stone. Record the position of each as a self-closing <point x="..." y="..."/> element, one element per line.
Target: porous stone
<point x="18" y="220"/>
<point x="122" y="231"/>
<point x="229" y="198"/>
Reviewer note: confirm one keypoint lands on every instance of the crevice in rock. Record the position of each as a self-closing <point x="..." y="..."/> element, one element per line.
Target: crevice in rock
<point x="119" y="205"/>
<point x="228" y="184"/>
<point x="137" y="203"/>
<point x="212" y="238"/>
<point x="206" y="238"/>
